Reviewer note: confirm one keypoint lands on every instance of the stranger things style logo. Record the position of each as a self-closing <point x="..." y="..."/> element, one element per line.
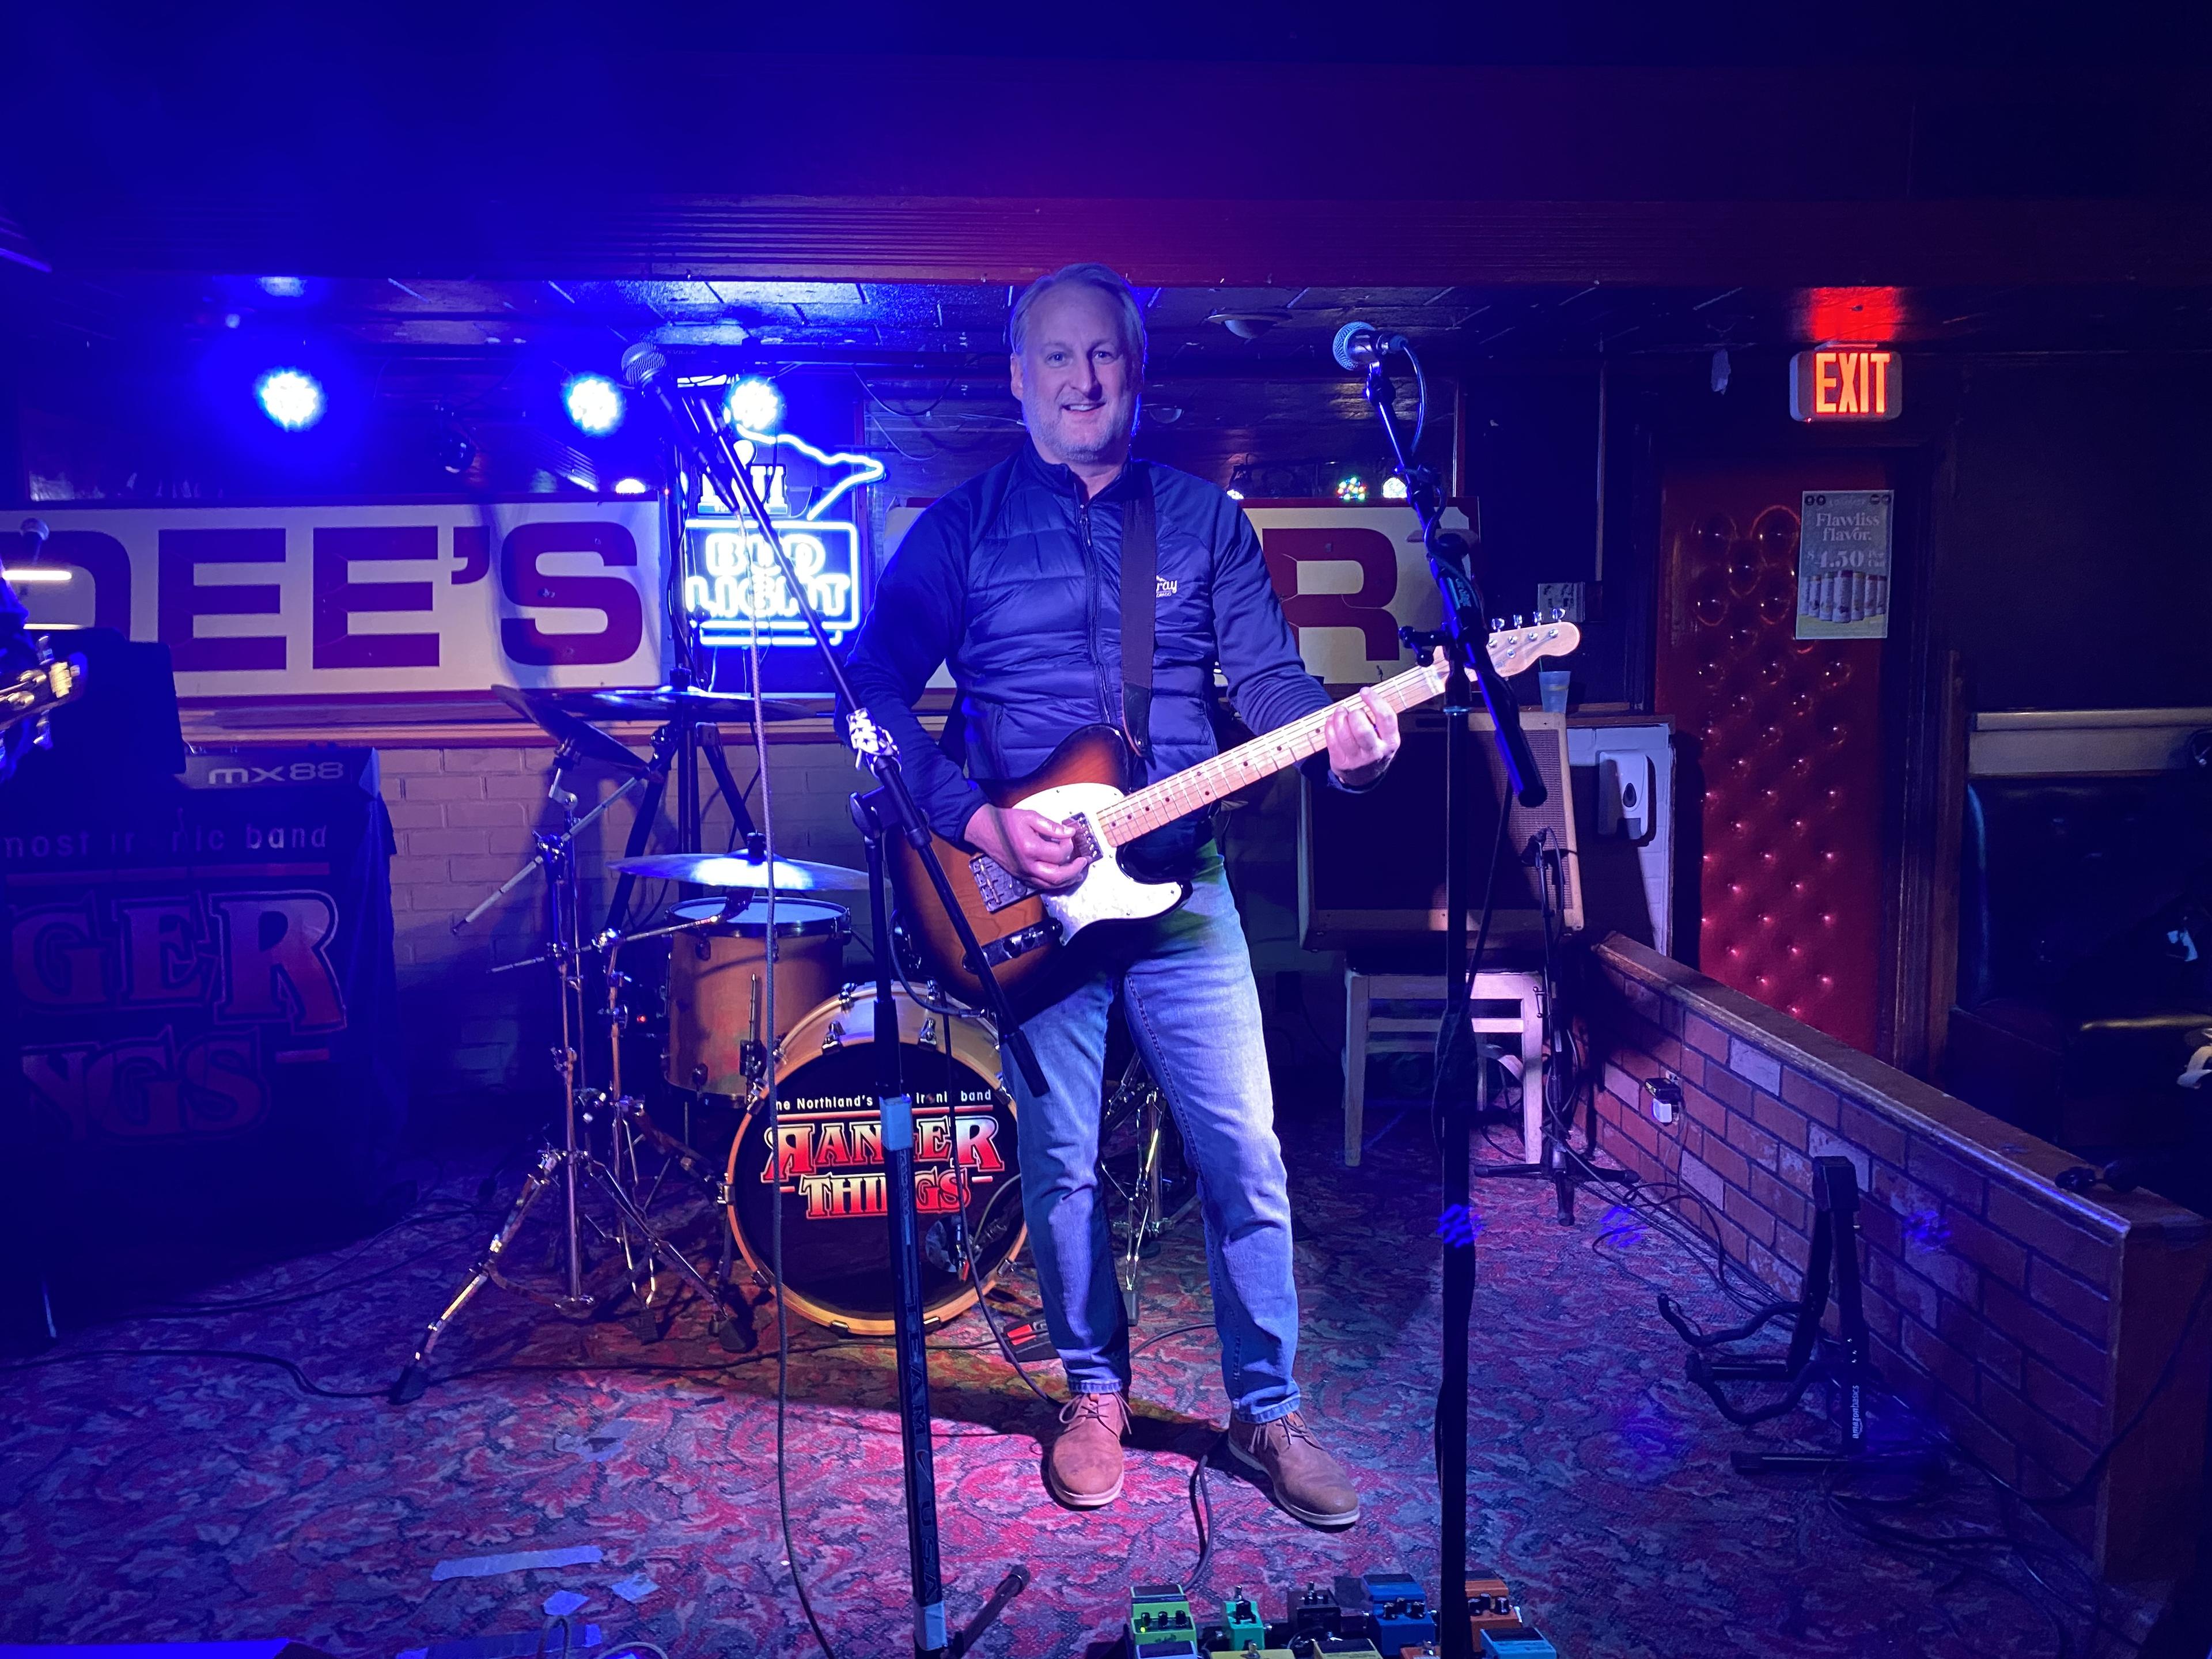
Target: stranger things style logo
<point x="828" y="1151"/>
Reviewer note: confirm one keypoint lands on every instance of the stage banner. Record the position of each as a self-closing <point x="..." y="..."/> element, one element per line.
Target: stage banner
<point x="1349" y="579"/>
<point x="365" y="599"/>
<point x="202" y="1004"/>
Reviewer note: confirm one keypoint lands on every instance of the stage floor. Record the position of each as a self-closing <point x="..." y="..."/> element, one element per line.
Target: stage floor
<point x="146" y="1498"/>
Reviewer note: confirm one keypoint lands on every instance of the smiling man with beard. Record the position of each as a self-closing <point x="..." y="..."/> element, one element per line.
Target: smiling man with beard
<point x="1014" y="579"/>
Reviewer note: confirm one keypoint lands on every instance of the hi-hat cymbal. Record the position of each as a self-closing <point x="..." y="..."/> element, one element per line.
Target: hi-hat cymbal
<point x="734" y="869"/>
<point x="587" y="740"/>
<point x="660" y="702"/>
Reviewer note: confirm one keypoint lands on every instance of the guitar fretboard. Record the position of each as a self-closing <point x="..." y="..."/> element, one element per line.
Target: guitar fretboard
<point x="1263" y="756"/>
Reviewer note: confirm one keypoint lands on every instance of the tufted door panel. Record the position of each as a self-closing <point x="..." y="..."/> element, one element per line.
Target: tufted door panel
<point x="1786" y="735"/>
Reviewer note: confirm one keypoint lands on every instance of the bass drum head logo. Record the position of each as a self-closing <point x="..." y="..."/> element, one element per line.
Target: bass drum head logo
<point x="828" y="1176"/>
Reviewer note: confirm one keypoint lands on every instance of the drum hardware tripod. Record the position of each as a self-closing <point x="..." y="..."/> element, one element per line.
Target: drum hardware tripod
<point x="572" y="1162"/>
<point x="1148" y="1217"/>
<point x="708" y="449"/>
<point x="731" y="1321"/>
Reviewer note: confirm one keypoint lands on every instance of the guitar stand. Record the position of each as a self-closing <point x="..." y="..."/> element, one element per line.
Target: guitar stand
<point x="1841" y="1361"/>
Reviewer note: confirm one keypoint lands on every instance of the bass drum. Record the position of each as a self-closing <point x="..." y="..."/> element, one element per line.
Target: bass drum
<point x="829" y="1175"/>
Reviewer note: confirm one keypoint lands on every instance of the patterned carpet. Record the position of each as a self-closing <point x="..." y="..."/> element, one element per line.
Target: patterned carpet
<point x="148" y="1498"/>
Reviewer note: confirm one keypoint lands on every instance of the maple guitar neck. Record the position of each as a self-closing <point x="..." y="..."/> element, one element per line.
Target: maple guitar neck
<point x="1201" y="786"/>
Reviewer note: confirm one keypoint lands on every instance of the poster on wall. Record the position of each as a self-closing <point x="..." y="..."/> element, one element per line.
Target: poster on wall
<point x="1349" y="579"/>
<point x="365" y="599"/>
<point x="1843" y="565"/>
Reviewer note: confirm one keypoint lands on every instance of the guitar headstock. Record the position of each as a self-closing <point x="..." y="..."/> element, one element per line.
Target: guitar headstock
<point x="1517" y="648"/>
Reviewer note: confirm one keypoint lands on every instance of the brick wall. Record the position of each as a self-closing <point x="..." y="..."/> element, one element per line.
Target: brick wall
<point x="462" y="820"/>
<point x="2031" y="1322"/>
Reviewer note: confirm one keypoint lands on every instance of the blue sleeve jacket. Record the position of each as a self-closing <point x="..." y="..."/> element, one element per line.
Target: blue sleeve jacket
<point x="1014" y="580"/>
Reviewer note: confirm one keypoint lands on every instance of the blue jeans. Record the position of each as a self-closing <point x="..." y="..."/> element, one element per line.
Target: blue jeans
<point x="1186" y="987"/>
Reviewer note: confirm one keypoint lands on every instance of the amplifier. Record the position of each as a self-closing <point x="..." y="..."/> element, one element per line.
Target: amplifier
<point x="1371" y="865"/>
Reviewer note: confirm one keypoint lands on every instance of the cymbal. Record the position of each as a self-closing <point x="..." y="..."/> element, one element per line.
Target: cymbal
<point x="660" y="703"/>
<point x="734" y="869"/>
<point x="588" y="740"/>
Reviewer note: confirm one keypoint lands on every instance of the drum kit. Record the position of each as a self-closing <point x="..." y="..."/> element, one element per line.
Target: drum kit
<point x="809" y="1146"/>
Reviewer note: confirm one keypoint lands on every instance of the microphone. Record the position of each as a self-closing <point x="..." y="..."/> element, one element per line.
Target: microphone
<point x="1362" y="345"/>
<point x="34" y="534"/>
<point x="643" y="364"/>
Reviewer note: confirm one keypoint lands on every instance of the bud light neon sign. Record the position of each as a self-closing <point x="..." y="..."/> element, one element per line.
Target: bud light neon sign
<point x="733" y="591"/>
<point x="734" y="587"/>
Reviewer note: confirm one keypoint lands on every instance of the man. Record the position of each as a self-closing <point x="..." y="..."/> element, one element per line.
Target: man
<point x="1014" y="579"/>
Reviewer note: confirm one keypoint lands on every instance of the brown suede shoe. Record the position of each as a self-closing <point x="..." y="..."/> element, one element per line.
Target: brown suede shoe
<point x="1084" y="1469"/>
<point x="1305" y="1480"/>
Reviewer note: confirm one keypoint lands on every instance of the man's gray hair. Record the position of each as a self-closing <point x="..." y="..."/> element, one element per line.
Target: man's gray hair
<point x="1105" y="280"/>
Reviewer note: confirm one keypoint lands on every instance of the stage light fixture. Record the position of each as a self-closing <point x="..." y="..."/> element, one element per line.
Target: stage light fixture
<point x="1394" y="489"/>
<point x="291" y="396"/>
<point x="755" y="405"/>
<point x="284" y="287"/>
<point x="594" y="403"/>
<point x="452" y="446"/>
<point x="632" y="487"/>
<point x="1351" y="490"/>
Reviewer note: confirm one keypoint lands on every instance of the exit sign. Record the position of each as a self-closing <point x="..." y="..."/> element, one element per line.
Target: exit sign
<point x="1846" y="383"/>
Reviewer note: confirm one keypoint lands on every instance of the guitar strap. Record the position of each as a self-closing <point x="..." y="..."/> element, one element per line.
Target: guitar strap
<point x="1141" y="561"/>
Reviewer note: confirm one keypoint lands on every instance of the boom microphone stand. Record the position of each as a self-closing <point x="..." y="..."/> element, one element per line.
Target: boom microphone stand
<point x="1466" y="644"/>
<point x="705" y="444"/>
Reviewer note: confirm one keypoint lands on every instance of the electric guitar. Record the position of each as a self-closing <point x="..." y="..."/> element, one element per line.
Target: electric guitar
<point x="40" y="689"/>
<point x="1022" y="931"/>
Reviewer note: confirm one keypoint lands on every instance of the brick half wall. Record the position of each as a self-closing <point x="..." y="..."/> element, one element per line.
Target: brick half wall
<point x="2031" y="1322"/>
<point x="464" y="817"/>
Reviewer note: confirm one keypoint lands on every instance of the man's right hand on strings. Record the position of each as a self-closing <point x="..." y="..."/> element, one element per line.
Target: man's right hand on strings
<point x="1042" y="851"/>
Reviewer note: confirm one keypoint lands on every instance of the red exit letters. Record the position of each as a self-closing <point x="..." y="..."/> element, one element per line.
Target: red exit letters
<point x="1846" y="383"/>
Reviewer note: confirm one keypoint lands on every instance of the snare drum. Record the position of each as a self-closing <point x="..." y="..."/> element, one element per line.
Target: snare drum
<point x="717" y="982"/>
<point x="829" y="1173"/>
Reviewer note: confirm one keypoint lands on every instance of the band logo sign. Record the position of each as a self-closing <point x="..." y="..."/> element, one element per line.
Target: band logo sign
<point x="829" y="1152"/>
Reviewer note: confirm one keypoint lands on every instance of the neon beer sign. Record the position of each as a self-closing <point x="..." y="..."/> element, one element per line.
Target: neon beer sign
<point x="732" y="587"/>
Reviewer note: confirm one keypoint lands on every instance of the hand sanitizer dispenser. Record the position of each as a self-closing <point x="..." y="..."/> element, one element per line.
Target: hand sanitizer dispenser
<point x="1624" y="793"/>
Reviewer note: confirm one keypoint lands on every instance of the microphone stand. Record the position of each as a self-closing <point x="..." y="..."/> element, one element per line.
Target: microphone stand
<point x="1465" y="640"/>
<point x="889" y="809"/>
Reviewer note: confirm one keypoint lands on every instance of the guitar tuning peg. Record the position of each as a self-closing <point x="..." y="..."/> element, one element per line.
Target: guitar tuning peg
<point x="1498" y="624"/>
<point x="1520" y="621"/>
<point x="1559" y="613"/>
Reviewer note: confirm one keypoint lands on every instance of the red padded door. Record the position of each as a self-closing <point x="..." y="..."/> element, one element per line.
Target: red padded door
<point x="1788" y="740"/>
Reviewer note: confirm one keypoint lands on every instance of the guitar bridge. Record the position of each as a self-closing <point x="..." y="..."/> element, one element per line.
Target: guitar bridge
<point x="998" y="886"/>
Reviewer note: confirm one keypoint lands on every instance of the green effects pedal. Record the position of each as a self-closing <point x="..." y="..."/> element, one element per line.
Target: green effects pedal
<point x="1160" y="1624"/>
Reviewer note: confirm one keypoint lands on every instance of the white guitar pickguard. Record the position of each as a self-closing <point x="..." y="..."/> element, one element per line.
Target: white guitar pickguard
<point x="1107" y="892"/>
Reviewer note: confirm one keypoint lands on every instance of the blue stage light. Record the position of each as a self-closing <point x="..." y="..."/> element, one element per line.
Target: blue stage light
<point x="755" y="405"/>
<point x="595" y="404"/>
<point x="284" y="287"/>
<point x="291" y="396"/>
<point x="632" y="487"/>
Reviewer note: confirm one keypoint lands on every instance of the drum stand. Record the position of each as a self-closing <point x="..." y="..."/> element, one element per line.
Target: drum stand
<point x="572" y="1162"/>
